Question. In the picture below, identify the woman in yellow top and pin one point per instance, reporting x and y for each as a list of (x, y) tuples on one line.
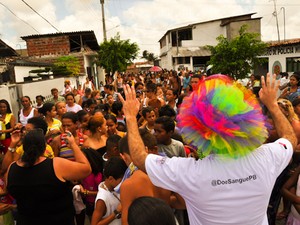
[(8, 122), (54, 125)]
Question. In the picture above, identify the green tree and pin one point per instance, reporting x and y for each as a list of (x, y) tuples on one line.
[(149, 56), (67, 66), (237, 57), (116, 54)]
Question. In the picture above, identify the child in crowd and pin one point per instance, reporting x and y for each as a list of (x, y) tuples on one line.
[(39, 101), (112, 125), (89, 185), (112, 147), (149, 119), (291, 191), (60, 109), (108, 206), (117, 110)]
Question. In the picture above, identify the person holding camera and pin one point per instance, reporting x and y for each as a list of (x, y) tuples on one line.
[(41, 185)]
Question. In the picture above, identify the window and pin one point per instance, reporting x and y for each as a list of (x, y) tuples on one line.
[(183, 35), (293, 64), (183, 60), (163, 42)]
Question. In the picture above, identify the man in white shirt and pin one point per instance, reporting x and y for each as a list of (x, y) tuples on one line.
[(218, 189)]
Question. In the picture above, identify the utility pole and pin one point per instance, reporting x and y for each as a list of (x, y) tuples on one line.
[(103, 20), (275, 14)]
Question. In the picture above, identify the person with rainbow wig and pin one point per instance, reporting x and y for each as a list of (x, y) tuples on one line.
[(232, 184)]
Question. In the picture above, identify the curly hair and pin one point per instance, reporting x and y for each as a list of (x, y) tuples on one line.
[(288, 108)]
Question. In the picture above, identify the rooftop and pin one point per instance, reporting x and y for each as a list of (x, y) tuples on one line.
[(88, 38), (6, 50), (284, 42), (23, 62)]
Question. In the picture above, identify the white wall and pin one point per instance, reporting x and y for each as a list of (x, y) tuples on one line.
[(30, 89), (168, 45), (205, 34), (23, 71), (4, 93), (281, 58), (163, 62), (42, 87)]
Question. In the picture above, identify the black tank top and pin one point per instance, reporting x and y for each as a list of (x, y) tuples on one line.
[(41, 197)]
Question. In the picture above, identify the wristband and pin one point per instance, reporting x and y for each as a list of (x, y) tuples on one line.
[(11, 149), (117, 214)]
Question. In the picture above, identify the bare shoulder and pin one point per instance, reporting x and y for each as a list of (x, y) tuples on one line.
[(138, 174), (137, 178), (58, 165)]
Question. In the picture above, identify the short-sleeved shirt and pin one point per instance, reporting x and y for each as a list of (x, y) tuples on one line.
[(220, 190), (176, 148), (74, 108), (54, 101), (56, 125)]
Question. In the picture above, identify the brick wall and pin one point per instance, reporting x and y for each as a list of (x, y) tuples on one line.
[(48, 46)]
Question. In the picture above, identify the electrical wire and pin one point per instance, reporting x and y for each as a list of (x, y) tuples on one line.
[(41, 16), (18, 17)]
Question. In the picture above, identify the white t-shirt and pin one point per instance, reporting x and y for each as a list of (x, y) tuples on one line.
[(219, 190), (111, 203), (74, 108)]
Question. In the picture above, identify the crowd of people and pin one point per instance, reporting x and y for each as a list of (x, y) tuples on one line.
[(158, 148)]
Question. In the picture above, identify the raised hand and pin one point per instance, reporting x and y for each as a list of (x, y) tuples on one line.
[(131, 105), (268, 91), (16, 136)]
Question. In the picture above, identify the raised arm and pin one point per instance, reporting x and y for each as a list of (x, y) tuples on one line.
[(289, 184), (267, 95), (11, 155), (131, 108)]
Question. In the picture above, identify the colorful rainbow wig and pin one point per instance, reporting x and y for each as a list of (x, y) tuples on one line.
[(222, 117)]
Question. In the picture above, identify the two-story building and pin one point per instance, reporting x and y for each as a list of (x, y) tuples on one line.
[(80, 44), (184, 47), (42, 51)]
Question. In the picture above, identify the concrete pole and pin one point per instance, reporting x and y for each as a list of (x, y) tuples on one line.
[(103, 20), (282, 8), (276, 16)]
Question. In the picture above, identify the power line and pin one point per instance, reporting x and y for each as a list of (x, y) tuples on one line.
[(41, 16), (227, 3), (18, 17)]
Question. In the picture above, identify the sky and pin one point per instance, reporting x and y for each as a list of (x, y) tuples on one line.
[(141, 21)]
